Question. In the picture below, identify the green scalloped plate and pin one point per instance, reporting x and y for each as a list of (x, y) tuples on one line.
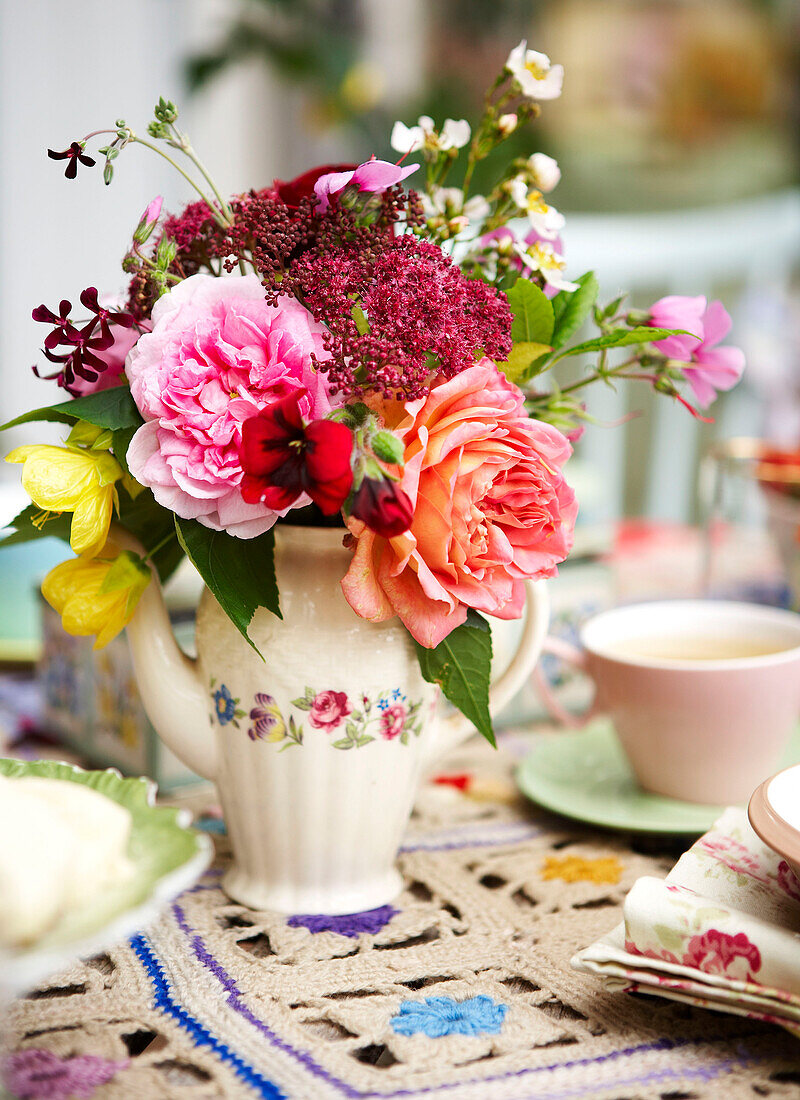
[(167, 855), (586, 776)]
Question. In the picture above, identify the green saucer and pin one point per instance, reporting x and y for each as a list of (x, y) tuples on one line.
[(585, 775)]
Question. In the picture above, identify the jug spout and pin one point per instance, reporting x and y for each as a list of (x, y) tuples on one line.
[(170, 686)]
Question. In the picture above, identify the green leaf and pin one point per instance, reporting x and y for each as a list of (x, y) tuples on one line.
[(461, 665), (533, 313), (343, 743), (622, 337), (24, 529), (523, 355), (301, 704), (571, 309), (114, 409), (121, 441), (360, 318), (240, 573), (365, 740)]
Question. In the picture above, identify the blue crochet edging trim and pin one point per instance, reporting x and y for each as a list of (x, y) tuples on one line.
[(201, 1035)]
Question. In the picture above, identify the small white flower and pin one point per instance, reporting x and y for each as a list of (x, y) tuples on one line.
[(544, 170), (446, 205), (405, 138), (476, 208), (454, 135), (533, 74), (518, 190), (541, 257), (507, 124), (545, 219)]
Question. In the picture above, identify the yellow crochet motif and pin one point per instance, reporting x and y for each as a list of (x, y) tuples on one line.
[(578, 869)]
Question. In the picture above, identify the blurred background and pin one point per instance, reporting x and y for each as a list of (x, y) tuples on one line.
[(677, 135)]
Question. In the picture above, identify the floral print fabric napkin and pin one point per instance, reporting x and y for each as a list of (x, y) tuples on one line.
[(722, 930)]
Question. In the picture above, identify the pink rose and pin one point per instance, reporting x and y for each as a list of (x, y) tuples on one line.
[(328, 710), (393, 721), (788, 881), (491, 508), (217, 354)]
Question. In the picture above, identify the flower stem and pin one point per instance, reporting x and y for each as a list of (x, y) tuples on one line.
[(186, 148), (218, 217), (602, 373), (150, 554)]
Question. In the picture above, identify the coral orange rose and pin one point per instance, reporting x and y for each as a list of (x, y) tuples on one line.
[(491, 509)]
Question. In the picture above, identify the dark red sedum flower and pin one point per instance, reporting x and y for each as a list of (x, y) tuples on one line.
[(292, 192), (383, 506), (282, 458), (74, 155)]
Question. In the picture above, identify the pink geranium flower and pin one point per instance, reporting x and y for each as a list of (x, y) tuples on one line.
[(714, 368), (217, 355), (709, 368), (678, 311), (328, 709), (491, 508), (372, 175)]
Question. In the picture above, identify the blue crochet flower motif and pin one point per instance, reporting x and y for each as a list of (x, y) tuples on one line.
[(225, 705), (439, 1016)]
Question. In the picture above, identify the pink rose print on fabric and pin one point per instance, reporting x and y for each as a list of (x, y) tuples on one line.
[(733, 855), (720, 953), (328, 709), (393, 721), (787, 880)]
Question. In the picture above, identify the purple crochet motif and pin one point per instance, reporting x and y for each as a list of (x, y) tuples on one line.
[(348, 924), (41, 1075)]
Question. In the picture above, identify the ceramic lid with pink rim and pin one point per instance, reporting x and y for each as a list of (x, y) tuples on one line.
[(774, 813)]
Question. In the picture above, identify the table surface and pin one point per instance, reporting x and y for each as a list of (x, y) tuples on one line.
[(220, 1001)]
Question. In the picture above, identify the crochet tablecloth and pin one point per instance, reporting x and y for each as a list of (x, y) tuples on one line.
[(460, 990)]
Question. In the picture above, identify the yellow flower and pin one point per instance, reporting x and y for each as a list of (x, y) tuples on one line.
[(98, 595), (62, 479)]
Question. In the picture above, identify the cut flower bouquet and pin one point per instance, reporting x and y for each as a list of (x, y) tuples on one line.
[(339, 350)]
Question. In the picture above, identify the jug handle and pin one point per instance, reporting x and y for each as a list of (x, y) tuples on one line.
[(452, 730)]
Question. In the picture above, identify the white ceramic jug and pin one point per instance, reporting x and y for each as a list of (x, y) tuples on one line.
[(316, 750)]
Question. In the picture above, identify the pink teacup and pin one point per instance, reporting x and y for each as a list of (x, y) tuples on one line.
[(704, 694)]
